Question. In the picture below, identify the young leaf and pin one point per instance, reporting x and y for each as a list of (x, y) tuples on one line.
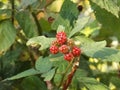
[(40, 40), (80, 23), (7, 34)]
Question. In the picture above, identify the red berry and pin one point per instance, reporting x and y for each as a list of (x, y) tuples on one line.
[(76, 51), (68, 56), (64, 49), (54, 49), (61, 37)]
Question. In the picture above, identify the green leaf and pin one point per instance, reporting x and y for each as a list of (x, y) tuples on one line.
[(49, 75), (115, 81), (60, 21), (68, 14), (33, 83), (7, 34), (26, 73), (108, 28), (45, 25), (43, 64), (108, 5), (80, 23), (92, 84), (83, 40), (5, 14), (90, 48), (7, 62), (61, 67), (69, 11), (107, 54), (27, 23), (25, 3), (99, 51), (40, 40)]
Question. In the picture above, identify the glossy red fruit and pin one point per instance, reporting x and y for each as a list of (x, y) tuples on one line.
[(76, 51), (64, 49), (68, 57), (54, 49), (61, 37)]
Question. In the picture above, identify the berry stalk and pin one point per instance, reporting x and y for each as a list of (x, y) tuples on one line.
[(70, 76)]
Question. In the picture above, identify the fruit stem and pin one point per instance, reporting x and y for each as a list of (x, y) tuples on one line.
[(64, 74), (70, 76)]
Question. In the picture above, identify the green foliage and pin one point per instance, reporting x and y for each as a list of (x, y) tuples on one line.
[(49, 75), (33, 83), (108, 5), (43, 64), (27, 23), (7, 34), (92, 84), (26, 34), (106, 19), (40, 40), (26, 73), (80, 23)]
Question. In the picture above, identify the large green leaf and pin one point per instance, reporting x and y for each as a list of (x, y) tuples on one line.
[(99, 51), (33, 83), (40, 40), (27, 23), (80, 23), (90, 48), (26, 73), (43, 64), (106, 19), (7, 34), (108, 5), (92, 84)]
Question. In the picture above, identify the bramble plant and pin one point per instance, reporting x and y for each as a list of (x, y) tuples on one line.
[(59, 45)]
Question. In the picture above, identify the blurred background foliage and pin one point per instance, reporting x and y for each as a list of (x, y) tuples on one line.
[(27, 28)]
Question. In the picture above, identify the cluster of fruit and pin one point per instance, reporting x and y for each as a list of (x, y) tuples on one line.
[(65, 46)]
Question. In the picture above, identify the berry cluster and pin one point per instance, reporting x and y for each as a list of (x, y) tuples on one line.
[(65, 46)]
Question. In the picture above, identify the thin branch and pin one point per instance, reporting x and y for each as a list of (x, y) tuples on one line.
[(64, 74), (70, 76), (13, 8)]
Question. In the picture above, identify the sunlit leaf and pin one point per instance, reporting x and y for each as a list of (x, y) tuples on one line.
[(40, 40)]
